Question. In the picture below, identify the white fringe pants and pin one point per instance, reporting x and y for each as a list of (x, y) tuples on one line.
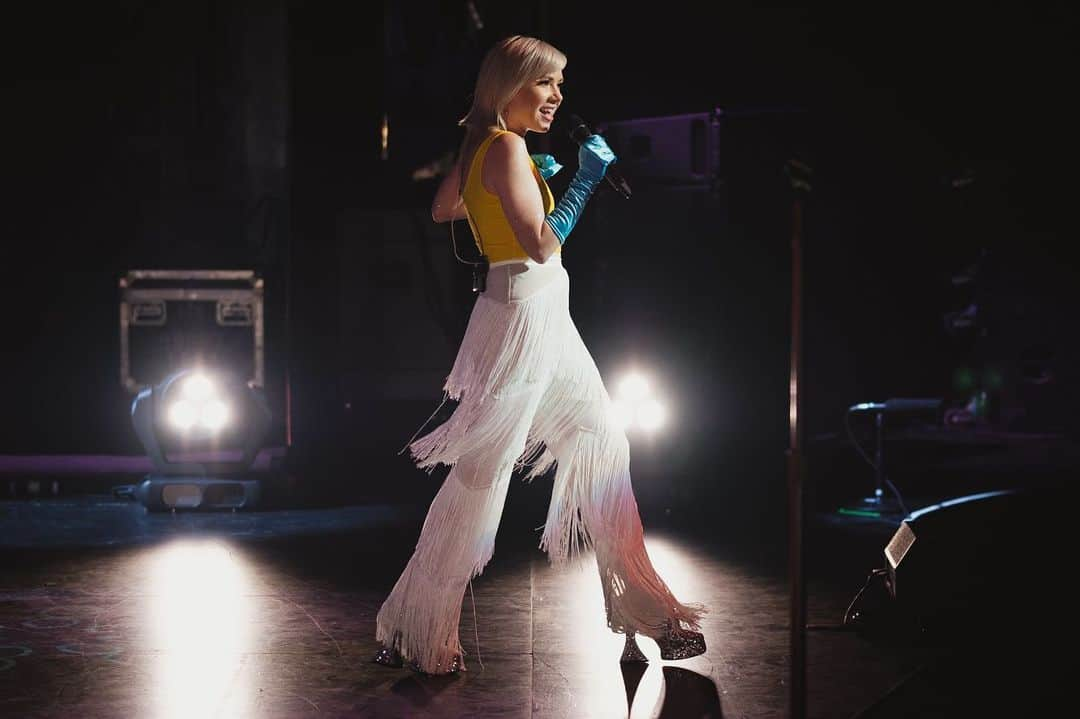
[(530, 397)]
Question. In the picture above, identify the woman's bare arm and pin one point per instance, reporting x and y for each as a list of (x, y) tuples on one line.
[(447, 204), (508, 173)]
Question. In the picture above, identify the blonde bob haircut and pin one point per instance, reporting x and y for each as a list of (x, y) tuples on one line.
[(507, 67)]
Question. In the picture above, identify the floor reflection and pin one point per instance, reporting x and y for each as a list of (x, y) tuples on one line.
[(652, 689), (689, 694), (200, 618)]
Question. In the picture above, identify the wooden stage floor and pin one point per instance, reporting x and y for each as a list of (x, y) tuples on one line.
[(107, 610)]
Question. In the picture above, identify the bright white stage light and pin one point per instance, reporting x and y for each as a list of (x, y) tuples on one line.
[(651, 415), (198, 405), (196, 425), (633, 388), (198, 388), (183, 414), (214, 415), (635, 407)]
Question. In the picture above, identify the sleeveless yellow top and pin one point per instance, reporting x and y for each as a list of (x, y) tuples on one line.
[(492, 232)]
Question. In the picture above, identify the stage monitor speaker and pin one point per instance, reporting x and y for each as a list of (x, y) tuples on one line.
[(674, 150), (983, 562)]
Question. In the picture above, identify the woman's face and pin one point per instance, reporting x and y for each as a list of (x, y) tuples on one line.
[(534, 105)]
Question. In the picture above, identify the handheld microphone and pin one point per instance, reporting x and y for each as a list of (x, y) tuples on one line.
[(579, 132)]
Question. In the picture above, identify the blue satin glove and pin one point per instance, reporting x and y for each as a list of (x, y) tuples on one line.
[(594, 156), (546, 165)]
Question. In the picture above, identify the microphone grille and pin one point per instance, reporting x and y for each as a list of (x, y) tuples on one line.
[(579, 131)]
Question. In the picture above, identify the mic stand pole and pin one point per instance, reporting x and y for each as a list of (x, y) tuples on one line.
[(799, 176), (879, 449)]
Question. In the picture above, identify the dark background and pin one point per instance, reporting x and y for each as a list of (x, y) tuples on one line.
[(246, 135)]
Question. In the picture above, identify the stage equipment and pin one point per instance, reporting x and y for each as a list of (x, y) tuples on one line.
[(799, 175), (897, 406), (172, 319), (977, 564), (202, 431), (1007, 321), (673, 151), (634, 406)]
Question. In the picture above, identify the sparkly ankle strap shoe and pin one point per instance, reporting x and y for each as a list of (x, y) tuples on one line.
[(678, 643), (457, 664), (388, 657)]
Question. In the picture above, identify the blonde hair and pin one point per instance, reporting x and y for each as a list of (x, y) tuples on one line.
[(507, 67)]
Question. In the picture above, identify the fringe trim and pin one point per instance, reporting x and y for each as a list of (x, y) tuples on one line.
[(508, 357), (636, 598), (593, 508), (509, 352), (457, 541), (458, 536), (420, 619)]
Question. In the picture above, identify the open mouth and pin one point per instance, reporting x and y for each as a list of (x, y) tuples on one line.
[(547, 112)]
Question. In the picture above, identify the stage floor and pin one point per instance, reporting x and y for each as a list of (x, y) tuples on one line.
[(107, 610)]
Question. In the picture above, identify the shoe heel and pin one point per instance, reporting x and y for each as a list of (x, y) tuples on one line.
[(631, 652)]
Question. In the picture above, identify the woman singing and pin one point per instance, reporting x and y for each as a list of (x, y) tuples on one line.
[(529, 391)]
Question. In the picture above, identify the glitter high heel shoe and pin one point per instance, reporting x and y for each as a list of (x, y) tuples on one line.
[(679, 643), (631, 652), (457, 664), (388, 657)]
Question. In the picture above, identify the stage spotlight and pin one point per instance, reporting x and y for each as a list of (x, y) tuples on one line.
[(635, 408), (202, 432), (214, 415), (183, 415), (651, 415), (634, 387), (197, 407)]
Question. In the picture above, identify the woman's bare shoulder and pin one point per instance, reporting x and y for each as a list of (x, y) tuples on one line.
[(507, 145), (508, 154), (508, 151)]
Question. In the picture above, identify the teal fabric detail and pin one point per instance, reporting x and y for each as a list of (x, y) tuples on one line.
[(546, 165)]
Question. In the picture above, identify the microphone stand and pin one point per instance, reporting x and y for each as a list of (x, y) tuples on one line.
[(799, 176)]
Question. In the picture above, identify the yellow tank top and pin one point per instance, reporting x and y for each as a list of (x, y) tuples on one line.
[(491, 230)]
